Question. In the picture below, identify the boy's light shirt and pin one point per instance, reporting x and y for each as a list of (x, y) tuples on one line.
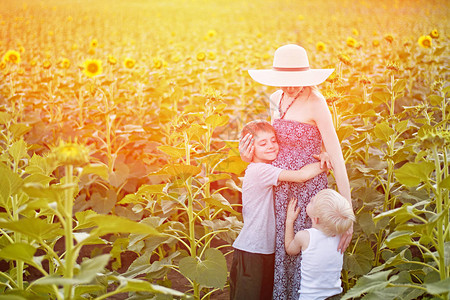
[(321, 267), (258, 233)]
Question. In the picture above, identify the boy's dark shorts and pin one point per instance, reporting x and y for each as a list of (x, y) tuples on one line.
[(251, 276)]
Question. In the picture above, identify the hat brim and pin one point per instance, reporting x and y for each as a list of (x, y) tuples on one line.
[(290, 78)]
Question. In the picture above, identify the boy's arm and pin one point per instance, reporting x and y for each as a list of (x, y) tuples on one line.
[(302, 175), (294, 243)]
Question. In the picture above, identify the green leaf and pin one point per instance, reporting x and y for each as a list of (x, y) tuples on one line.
[(439, 51), (53, 193), (83, 219), (398, 239), (232, 164), (401, 127), (399, 85), (99, 169), (135, 285), (38, 178), (103, 205), (381, 97), (177, 94), (368, 283), (18, 150), (114, 224), (40, 165), (445, 184), (218, 201), (15, 181), (360, 261), (412, 174), (18, 251), (172, 151), (383, 131), (440, 287), (4, 117), (90, 267), (217, 120), (86, 289), (435, 100), (182, 171), (5, 189), (366, 222), (19, 129), (33, 227), (12, 297), (211, 272)]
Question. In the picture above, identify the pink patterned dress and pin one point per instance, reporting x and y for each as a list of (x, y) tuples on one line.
[(298, 142)]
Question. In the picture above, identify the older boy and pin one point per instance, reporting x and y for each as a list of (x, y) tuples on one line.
[(251, 274)]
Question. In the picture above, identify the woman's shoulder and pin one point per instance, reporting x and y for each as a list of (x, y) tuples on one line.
[(276, 94), (315, 94)]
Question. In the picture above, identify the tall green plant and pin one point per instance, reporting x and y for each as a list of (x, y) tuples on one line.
[(38, 212)]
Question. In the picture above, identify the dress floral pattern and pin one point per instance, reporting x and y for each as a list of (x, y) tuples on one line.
[(298, 142)]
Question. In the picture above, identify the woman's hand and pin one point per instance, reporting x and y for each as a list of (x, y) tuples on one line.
[(346, 238), (325, 160), (246, 148)]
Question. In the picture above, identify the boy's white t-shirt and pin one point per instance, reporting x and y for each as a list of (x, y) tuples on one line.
[(258, 233), (321, 267)]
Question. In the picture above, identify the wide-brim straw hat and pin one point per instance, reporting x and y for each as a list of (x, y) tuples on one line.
[(290, 68)]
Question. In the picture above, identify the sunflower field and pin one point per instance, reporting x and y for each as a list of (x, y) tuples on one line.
[(119, 125)]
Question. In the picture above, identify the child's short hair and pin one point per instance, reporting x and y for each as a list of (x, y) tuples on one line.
[(334, 212), (256, 126)]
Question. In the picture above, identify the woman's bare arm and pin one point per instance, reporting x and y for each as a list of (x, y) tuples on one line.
[(322, 117)]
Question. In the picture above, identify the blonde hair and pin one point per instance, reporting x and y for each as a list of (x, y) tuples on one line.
[(334, 212), (254, 127)]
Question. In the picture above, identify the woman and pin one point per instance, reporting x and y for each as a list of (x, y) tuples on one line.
[(303, 124)]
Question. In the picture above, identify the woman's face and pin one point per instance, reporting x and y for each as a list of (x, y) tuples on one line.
[(292, 91)]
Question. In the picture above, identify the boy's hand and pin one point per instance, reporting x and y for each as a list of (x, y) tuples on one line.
[(246, 148), (292, 211), (325, 161)]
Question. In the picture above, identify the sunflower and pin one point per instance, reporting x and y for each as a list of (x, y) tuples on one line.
[(434, 34), (375, 43), (355, 32), (344, 59), (93, 43), (393, 66), (92, 67), (112, 60), (389, 38), (351, 42), (175, 58), (320, 46), (33, 62), (211, 55), (129, 63), (46, 64), (65, 63), (12, 56), (425, 41), (300, 17), (157, 63), (201, 56), (2, 65), (70, 154), (212, 33)]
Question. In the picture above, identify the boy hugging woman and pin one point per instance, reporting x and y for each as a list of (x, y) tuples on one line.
[(253, 266)]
